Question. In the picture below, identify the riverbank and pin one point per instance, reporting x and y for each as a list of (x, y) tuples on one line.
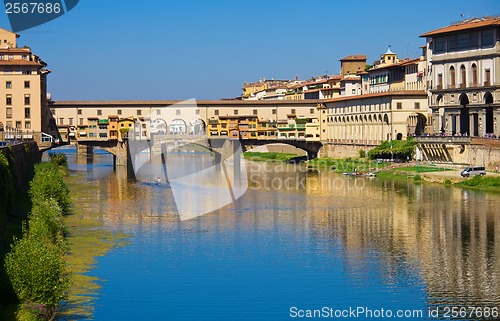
[(448, 175), (445, 174)]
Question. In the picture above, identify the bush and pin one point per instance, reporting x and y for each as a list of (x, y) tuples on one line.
[(58, 159), (36, 270), (46, 220), (48, 183), (399, 149), (447, 181), (417, 178), (362, 153)]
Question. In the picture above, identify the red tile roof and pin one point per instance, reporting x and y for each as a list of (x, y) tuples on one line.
[(354, 58), (465, 25), (382, 94)]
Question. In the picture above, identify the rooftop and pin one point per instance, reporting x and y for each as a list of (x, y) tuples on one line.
[(465, 25), (354, 58)]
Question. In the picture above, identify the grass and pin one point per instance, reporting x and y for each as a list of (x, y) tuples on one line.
[(481, 182), (421, 169), (269, 156), (347, 164)]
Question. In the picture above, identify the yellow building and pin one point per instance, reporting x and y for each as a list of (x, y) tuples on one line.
[(124, 125), (23, 89)]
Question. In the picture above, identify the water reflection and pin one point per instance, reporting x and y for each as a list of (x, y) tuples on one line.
[(372, 240)]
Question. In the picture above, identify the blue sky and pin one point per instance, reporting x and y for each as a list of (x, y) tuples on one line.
[(160, 49)]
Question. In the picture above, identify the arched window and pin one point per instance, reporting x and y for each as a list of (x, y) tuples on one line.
[(474, 75), (462, 76), (452, 77)]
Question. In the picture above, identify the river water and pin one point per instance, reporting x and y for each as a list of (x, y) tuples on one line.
[(295, 242)]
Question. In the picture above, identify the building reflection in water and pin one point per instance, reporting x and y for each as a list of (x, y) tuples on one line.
[(446, 238)]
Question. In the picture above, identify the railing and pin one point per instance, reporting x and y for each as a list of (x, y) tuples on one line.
[(443, 139)]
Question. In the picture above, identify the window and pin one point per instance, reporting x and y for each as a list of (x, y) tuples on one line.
[(311, 111), (79, 112), (487, 77), (417, 105), (8, 100), (27, 99), (99, 112), (25, 57), (177, 112), (139, 112), (440, 45), (274, 112), (71, 121), (216, 112), (487, 38), (474, 75), (197, 112), (27, 84), (2, 57), (8, 84), (81, 121), (353, 91), (255, 111), (119, 112), (27, 112), (292, 111), (18, 125), (463, 41), (8, 112), (462, 76), (158, 112), (440, 81), (11, 57), (27, 124), (235, 112), (399, 105), (452, 77), (9, 125)]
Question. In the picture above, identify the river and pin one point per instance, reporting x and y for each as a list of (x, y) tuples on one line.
[(295, 242)]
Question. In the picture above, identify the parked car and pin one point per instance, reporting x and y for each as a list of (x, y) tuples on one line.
[(473, 170)]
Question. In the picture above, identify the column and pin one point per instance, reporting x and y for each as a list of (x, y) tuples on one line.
[(482, 122), (471, 124)]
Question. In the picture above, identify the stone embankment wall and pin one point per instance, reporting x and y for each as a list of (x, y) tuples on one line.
[(22, 159), (342, 151)]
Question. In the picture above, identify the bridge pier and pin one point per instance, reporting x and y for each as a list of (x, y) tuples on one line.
[(85, 150)]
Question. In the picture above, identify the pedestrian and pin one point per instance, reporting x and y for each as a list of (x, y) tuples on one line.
[(496, 169)]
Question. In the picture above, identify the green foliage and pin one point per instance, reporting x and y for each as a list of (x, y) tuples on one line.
[(417, 178), (7, 185), (480, 181), (59, 159), (46, 220), (447, 181), (36, 270), (48, 183), (269, 156), (35, 265), (362, 153), (401, 149)]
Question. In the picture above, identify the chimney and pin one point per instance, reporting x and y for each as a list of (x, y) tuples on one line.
[(296, 77)]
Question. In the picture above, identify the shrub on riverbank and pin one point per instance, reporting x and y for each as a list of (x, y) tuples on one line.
[(398, 149), (481, 181), (35, 265), (49, 183)]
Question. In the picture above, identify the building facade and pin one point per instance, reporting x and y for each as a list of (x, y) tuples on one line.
[(464, 77), (374, 118), (23, 98)]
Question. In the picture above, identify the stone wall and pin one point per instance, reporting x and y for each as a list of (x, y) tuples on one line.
[(342, 151), (22, 159)]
